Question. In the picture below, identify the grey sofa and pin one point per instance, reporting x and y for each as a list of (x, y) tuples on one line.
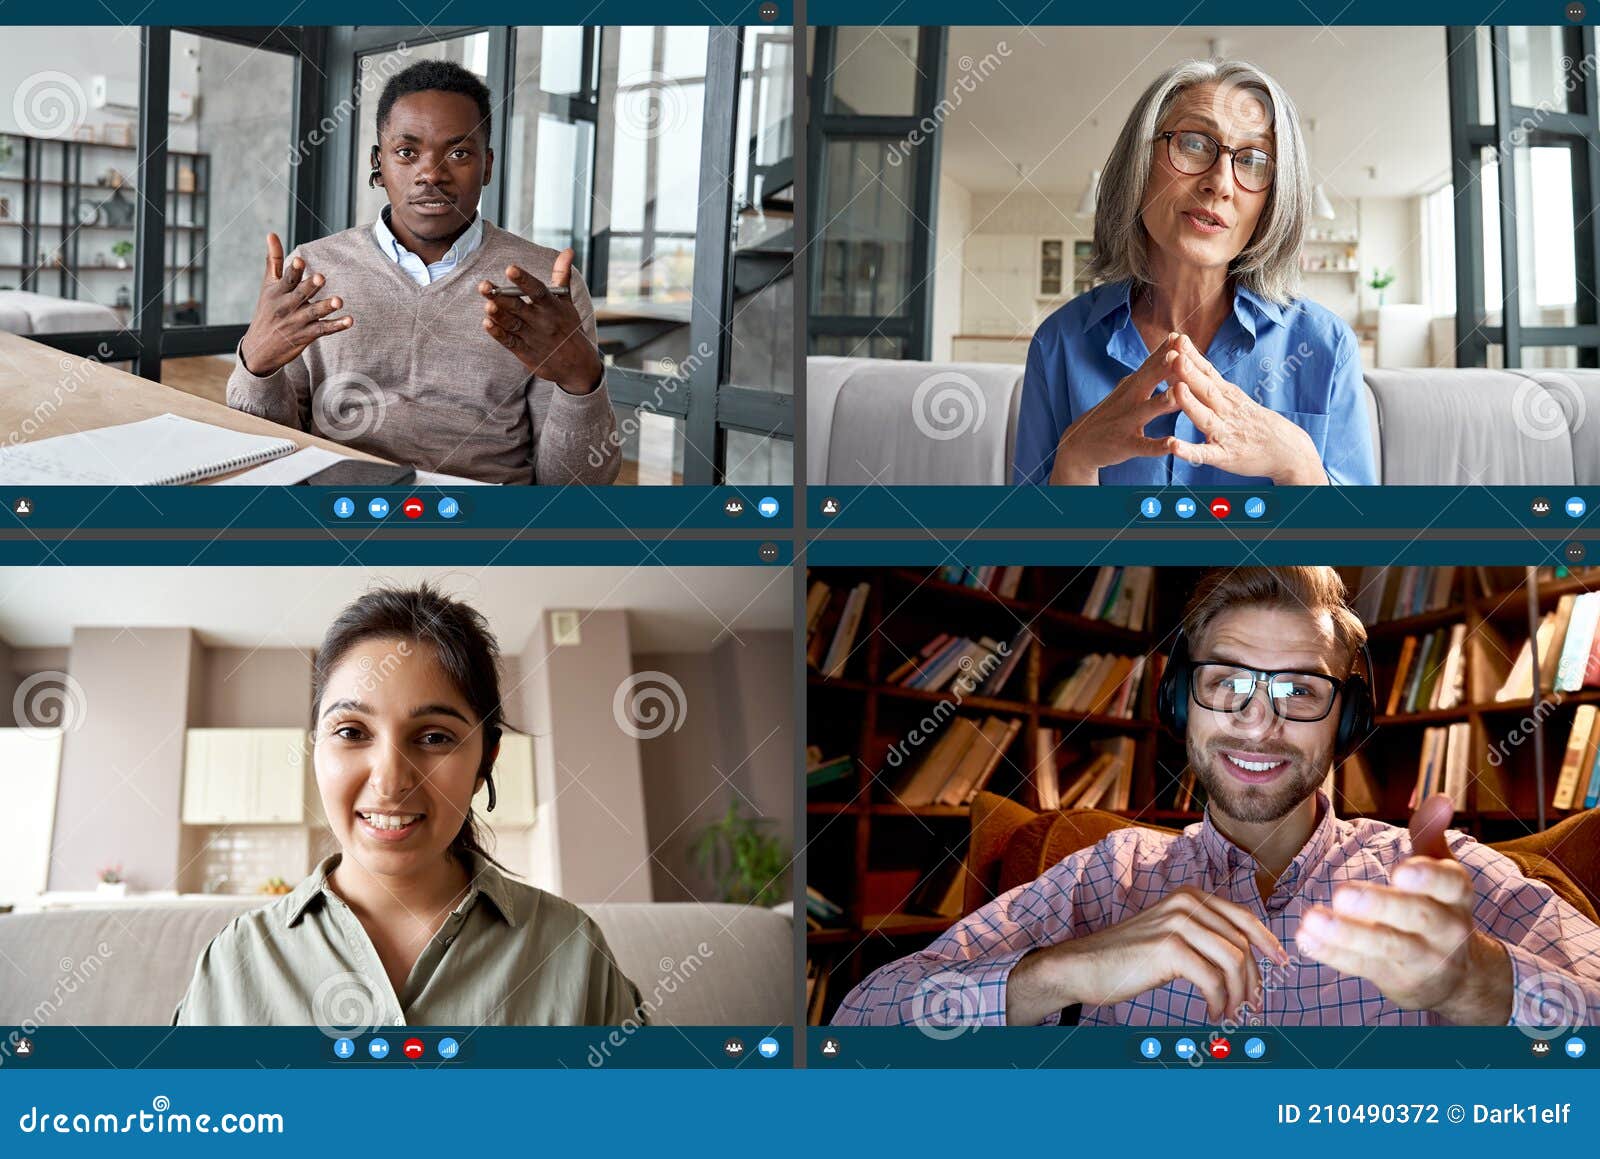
[(129, 965), (884, 421)]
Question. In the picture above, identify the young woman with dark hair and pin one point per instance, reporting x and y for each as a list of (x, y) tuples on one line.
[(412, 921)]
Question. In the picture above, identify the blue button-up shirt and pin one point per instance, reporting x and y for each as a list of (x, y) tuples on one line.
[(419, 272), (1300, 360)]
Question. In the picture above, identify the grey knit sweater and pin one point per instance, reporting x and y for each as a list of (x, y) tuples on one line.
[(418, 381)]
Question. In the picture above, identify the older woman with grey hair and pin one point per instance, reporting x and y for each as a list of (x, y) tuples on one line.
[(1192, 362)]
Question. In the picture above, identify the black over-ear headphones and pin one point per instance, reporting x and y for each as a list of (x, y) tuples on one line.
[(1355, 708)]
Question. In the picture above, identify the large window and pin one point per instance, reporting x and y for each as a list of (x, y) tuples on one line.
[(874, 173), (1527, 180)]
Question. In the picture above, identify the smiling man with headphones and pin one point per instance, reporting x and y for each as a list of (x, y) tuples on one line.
[(1272, 911)]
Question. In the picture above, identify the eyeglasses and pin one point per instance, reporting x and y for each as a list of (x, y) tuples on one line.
[(1298, 696), (1193, 152)]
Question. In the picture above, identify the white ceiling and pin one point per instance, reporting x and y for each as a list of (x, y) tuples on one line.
[(1056, 104), (670, 609)]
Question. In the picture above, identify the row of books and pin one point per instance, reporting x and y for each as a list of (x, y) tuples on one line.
[(1443, 765), (1568, 645), (1431, 672), (1002, 581), (822, 770), (1107, 684), (962, 664), (959, 762), (1121, 596), (821, 912), (1393, 593), (1064, 778), (1578, 783), (832, 620)]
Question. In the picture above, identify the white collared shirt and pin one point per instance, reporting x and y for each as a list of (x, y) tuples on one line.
[(416, 269)]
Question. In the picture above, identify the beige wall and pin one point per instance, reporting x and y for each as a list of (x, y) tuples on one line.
[(590, 770), (254, 688), (122, 767), (736, 746)]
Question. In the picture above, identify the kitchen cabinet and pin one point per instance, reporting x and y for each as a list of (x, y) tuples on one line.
[(513, 784), (234, 776)]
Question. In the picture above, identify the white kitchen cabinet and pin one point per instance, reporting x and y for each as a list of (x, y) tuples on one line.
[(30, 765), (240, 776), (513, 784)]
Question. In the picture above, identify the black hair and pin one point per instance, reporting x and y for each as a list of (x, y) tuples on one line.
[(437, 76), (462, 644)]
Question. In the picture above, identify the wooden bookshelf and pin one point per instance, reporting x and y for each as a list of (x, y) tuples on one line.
[(868, 851), (47, 181)]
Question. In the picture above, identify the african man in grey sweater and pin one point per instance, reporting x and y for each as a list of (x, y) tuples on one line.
[(389, 338)]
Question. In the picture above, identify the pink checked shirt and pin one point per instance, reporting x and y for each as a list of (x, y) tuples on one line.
[(961, 978)]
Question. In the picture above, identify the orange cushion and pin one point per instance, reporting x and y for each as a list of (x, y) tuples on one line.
[(1012, 844)]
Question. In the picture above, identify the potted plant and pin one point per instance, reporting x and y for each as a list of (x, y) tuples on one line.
[(749, 865), (1380, 280), (122, 251), (111, 882)]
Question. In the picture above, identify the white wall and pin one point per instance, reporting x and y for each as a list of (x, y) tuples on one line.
[(950, 235), (81, 53)]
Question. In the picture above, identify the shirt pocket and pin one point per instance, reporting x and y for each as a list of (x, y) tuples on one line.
[(1314, 423)]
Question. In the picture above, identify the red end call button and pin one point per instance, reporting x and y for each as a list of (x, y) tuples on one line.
[(413, 1048), (412, 508), (1219, 1048), (1219, 507)]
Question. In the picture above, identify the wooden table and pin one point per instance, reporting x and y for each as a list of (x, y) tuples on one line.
[(45, 392)]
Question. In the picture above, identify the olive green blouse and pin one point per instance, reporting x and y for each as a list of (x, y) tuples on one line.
[(508, 955)]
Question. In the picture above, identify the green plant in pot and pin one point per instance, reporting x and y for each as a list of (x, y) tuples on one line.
[(749, 865), (1380, 281), (123, 252)]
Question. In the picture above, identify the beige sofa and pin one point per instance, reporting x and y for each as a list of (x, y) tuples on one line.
[(874, 420), (127, 965)]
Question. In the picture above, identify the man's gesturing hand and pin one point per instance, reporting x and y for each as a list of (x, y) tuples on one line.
[(1187, 935), (543, 330), (1112, 431), (1415, 939), (289, 316)]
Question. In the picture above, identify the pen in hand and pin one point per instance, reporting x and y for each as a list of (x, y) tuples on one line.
[(514, 292)]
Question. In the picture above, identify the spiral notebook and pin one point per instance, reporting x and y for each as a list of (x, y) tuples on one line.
[(167, 449)]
